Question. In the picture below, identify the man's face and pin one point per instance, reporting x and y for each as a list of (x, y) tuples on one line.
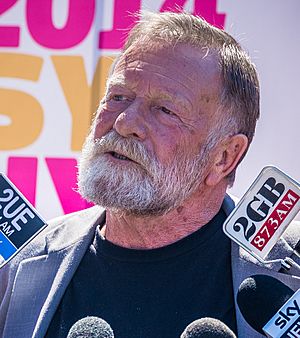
[(148, 148)]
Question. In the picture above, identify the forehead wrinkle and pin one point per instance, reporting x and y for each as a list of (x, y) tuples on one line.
[(187, 82), (142, 66), (204, 59)]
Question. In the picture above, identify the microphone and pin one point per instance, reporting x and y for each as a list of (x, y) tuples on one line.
[(208, 328), (91, 327), (269, 306)]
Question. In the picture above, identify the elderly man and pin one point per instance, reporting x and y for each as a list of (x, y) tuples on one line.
[(177, 118)]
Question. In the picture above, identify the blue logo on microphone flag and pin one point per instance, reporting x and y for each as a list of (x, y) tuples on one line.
[(7, 249), (19, 221)]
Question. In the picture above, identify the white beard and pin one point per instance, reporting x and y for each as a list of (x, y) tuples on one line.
[(142, 188)]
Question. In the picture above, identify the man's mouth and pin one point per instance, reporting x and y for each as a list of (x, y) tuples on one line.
[(119, 156)]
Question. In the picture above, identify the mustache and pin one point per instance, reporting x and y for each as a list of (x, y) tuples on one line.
[(133, 149)]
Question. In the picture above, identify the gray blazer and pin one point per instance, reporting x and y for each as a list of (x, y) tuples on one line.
[(32, 284)]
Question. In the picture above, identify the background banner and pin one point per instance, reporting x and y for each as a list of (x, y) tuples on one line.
[(54, 60)]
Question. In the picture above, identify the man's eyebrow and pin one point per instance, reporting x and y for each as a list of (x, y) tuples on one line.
[(170, 95), (116, 80)]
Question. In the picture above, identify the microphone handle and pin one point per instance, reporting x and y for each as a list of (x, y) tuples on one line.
[(290, 267)]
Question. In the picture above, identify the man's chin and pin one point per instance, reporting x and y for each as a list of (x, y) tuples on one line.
[(126, 205)]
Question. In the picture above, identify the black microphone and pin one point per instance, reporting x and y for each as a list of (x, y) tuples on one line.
[(91, 327), (208, 328), (265, 300)]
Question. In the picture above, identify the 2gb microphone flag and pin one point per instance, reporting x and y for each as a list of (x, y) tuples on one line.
[(19, 221), (264, 212)]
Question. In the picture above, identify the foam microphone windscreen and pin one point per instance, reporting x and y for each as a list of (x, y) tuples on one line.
[(91, 327), (259, 297), (207, 327)]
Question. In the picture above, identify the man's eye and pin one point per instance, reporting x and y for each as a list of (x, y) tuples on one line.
[(166, 110), (118, 97)]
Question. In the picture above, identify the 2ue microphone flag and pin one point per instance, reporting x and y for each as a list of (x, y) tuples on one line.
[(19, 221)]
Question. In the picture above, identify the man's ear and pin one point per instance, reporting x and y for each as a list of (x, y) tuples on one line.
[(226, 158)]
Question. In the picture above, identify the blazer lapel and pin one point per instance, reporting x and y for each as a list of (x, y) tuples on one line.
[(32, 285), (41, 281)]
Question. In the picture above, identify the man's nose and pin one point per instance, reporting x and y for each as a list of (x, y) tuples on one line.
[(131, 122)]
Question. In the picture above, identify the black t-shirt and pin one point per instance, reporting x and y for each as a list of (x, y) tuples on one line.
[(152, 293)]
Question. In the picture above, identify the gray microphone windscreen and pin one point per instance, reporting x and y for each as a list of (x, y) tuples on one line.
[(91, 327), (208, 328)]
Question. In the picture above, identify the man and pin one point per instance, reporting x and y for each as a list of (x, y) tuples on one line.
[(178, 117)]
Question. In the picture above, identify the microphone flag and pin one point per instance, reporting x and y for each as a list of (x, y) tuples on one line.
[(19, 220), (264, 212)]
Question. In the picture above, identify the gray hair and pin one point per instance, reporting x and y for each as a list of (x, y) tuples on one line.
[(239, 97)]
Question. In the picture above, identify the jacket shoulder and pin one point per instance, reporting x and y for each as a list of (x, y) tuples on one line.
[(56, 228)]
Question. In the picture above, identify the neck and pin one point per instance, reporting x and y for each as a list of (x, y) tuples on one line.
[(137, 232)]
